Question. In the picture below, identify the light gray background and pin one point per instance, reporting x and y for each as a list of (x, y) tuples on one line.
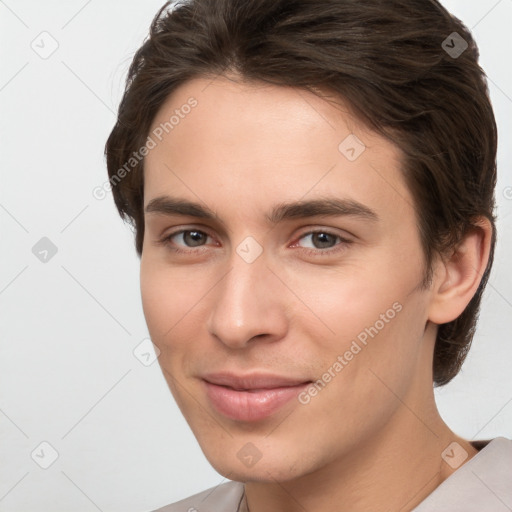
[(68, 375)]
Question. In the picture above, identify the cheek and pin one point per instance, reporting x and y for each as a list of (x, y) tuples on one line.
[(168, 298), (370, 315), (171, 308), (382, 355), (157, 300), (341, 303)]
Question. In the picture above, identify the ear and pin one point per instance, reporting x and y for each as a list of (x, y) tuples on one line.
[(458, 275)]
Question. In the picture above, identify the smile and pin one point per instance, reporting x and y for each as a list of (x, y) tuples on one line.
[(251, 398)]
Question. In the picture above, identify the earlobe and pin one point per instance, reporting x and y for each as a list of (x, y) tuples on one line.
[(459, 274)]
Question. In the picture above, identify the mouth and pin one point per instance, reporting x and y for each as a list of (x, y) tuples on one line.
[(252, 397)]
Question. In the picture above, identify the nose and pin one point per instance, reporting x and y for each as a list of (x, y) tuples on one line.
[(249, 304)]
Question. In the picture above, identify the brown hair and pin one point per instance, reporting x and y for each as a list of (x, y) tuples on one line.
[(396, 63)]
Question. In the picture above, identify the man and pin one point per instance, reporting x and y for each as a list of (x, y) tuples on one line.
[(312, 189)]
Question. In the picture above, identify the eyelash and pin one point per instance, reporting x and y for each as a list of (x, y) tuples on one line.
[(166, 241)]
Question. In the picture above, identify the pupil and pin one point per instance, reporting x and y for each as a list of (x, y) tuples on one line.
[(193, 237), (323, 239)]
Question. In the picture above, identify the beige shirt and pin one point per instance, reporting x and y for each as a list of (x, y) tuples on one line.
[(483, 484)]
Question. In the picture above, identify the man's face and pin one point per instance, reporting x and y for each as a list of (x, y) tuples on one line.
[(298, 298)]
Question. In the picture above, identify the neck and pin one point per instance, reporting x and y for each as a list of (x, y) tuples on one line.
[(394, 470)]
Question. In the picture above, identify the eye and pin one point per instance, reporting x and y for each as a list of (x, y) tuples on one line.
[(314, 243), (322, 242), (320, 239), (188, 238)]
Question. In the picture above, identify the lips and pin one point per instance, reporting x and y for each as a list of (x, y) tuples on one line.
[(251, 397), (253, 381)]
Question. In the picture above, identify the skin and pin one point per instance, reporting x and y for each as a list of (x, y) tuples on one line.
[(372, 439)]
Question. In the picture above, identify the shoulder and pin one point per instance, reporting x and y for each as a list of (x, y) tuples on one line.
[(221, 498), (482, 483)]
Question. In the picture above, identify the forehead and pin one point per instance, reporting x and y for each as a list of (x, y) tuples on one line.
[(218, 140)]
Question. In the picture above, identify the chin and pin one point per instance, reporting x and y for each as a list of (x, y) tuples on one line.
[(261, 472), (242, 462)]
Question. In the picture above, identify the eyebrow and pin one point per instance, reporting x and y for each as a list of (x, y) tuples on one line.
[(329, 207)]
